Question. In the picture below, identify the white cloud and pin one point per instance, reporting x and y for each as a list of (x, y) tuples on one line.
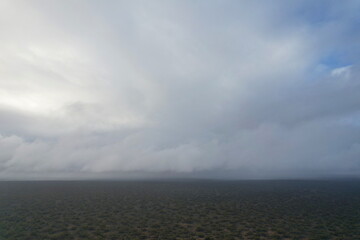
[(343, 72)]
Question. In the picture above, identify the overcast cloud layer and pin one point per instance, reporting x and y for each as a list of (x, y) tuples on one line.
[(242, 89)]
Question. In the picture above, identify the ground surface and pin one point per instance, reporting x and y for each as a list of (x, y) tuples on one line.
[(180, 210)]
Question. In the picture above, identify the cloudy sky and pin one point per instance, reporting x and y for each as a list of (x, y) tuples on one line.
[(240, 89)]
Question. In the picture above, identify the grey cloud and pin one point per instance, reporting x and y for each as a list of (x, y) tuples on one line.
[(181, 88)]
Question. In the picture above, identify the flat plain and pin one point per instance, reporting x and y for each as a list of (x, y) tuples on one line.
[(176, 209)]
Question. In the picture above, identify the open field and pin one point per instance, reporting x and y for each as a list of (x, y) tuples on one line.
[(180, 210)]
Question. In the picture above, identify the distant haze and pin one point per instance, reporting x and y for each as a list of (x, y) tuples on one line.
[(187, 88)]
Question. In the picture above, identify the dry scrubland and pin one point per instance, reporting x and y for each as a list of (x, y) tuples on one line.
[(180, 210)]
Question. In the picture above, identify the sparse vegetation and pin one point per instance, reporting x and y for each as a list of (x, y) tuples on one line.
[(180, 210)]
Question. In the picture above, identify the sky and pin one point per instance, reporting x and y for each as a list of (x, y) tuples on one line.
[(189, 88)]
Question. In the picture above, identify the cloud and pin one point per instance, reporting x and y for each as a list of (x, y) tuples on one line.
[(185, 88)]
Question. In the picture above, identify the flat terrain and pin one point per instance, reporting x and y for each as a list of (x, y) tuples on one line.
[(180, 210)]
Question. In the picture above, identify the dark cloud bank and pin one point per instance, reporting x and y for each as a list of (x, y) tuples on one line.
[(224, 89)]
